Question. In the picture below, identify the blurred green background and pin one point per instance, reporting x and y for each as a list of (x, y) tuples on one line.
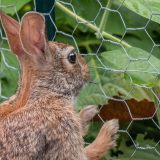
[(120, 40)]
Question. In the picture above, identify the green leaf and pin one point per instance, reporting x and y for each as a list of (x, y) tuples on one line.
[(142, 67), (108, 83), (131, 152), (91, 95), (144, 8), (11, 7), (8, 72), (92, 14)]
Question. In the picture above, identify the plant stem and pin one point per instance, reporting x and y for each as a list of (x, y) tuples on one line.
[(104, 17), (88, 42), (91, 26)]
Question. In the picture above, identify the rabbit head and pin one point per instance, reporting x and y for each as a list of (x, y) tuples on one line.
[(66, 70), (54, 66)]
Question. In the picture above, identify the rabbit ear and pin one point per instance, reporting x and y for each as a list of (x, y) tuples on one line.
[(32, 33), (12, 28)]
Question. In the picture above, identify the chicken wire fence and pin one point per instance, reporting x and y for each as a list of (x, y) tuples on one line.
[(124, 69)]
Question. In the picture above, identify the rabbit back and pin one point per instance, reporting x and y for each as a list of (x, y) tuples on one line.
[(32, 133)]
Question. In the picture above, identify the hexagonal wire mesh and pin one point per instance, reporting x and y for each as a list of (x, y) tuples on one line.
[(122, 53)]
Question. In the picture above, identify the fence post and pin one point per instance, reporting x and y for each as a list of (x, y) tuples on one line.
[(44, 6)]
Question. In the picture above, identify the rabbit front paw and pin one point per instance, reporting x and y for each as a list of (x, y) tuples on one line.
[(105, 140), (87, 115)]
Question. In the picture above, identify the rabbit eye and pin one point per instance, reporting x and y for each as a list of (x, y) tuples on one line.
[(72, 57)]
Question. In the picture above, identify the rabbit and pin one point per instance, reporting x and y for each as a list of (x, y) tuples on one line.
[(47, 107), (12, 28)]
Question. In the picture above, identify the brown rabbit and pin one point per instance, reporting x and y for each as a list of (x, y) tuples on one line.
[(35, 60), (12, 28)]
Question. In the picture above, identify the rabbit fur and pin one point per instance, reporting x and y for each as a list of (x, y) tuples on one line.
[(46, 127)]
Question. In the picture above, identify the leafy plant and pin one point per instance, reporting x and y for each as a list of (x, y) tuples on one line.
[(126, 65)]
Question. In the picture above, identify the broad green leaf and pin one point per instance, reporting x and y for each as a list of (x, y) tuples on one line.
[(144, 8), (142, 67), (10, 6)]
